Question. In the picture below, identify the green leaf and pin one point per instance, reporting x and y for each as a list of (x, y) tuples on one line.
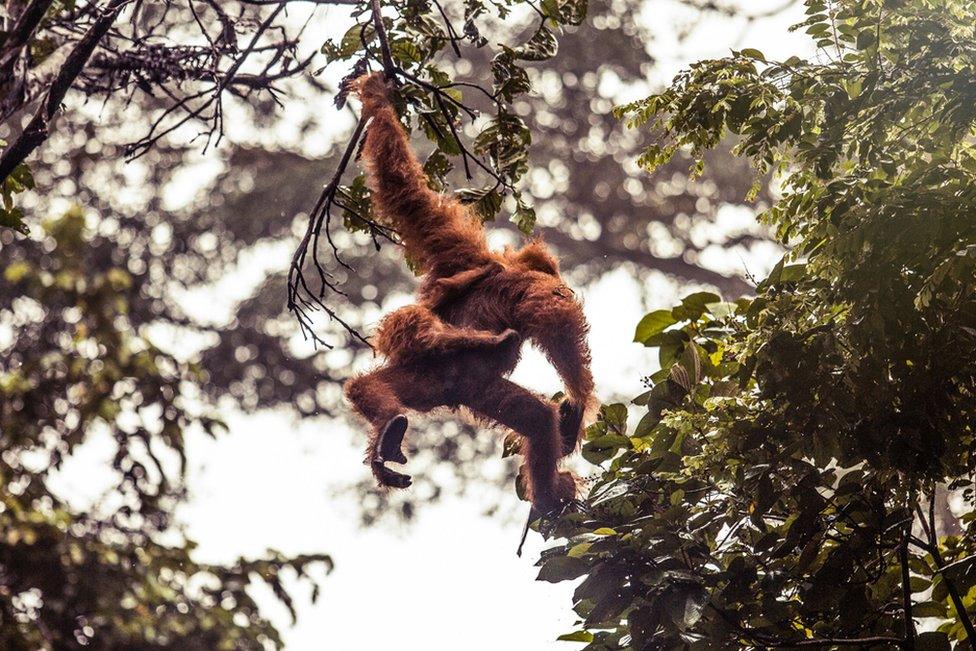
[(684, 606), (652, 324), (540, 47), (561, 568), (13, 218), (694, 305), (577, 636), (753, 54)]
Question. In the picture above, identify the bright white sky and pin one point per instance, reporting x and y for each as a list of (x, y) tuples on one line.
[(451, 580)]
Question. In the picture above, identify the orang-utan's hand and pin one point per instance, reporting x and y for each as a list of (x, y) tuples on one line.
[(373, 91), (570, 422)]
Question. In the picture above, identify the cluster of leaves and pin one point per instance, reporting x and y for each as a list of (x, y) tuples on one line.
[(118, 573), (780, 488), (12, 216)]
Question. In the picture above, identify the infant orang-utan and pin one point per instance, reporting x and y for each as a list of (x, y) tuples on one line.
[(456, 345)]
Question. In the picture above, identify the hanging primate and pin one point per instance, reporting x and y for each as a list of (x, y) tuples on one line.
[(474, 308)]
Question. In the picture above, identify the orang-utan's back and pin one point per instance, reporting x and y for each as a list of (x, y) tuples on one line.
[(454, 347)]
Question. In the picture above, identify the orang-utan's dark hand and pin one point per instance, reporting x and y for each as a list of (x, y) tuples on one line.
[(570, 423), (373, 91)]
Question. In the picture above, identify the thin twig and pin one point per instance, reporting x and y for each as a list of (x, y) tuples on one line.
[(141, 147), (388, 65)]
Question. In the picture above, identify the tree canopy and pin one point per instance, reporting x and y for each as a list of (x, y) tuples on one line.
[(784, 485)]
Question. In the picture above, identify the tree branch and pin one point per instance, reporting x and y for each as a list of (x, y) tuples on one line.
[(36, 131), (933, 550), (301, 297), (388, 65), (906, 590), (350, 3), (843, 641), (731, 286), (21, 32)]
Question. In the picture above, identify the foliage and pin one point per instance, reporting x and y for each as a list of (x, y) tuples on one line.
[(117, 574), (20, 180), (133, 238), (780, 487)]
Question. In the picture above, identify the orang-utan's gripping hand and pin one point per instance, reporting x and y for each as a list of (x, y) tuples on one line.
[(373, 92), (570, 424)]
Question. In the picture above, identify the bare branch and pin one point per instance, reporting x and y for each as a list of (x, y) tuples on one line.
[(36, 131), (384, 40), (933, 549), (21, 32), (906, 589), (351, 3), (731, 286)]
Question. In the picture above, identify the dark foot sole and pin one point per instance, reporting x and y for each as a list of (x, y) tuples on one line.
[(391, 440)]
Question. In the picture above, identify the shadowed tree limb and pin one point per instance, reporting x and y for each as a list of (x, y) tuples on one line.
[(18, 35), (36, 131), (731, 286), (906, 589), (933, 549)]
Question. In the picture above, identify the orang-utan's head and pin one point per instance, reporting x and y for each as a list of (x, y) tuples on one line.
[(545, 301), (534, 256)]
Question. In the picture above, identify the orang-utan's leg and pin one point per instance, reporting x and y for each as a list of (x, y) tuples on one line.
[(537, 421), (375, 399), (415, 333), (381, 396)]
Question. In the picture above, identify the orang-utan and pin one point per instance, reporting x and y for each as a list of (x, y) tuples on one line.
[(474, 308)]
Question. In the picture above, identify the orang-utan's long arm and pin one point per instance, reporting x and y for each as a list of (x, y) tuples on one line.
[(555, 322), (437, 231), (568, 352), (414, 331)]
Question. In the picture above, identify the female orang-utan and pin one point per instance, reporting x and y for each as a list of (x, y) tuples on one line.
[(475, 307)]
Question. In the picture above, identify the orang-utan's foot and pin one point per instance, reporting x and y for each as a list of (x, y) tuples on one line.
[(552, 501), (391, 440), (391, 478), (389, 449)]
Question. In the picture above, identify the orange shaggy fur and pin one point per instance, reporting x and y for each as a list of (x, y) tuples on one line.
[(474, 308)]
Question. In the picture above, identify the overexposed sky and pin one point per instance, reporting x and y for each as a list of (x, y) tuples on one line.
[(452, 579)]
